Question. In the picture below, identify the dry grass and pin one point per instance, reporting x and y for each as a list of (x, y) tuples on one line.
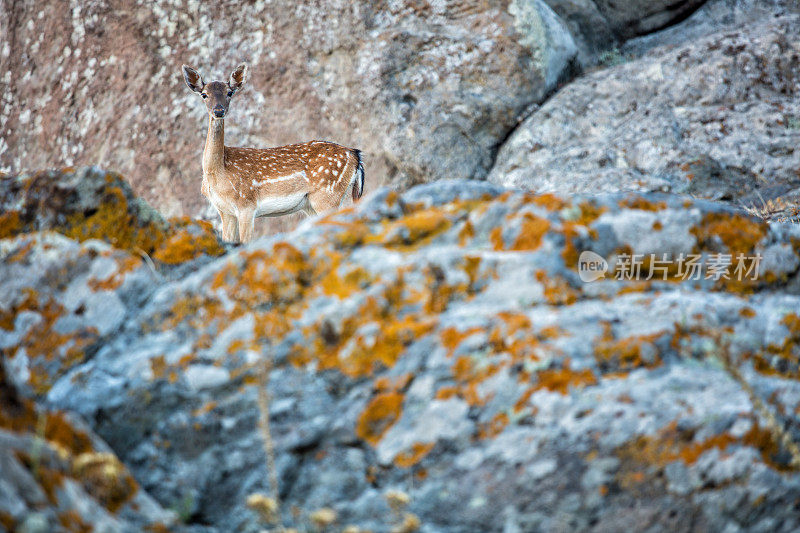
[(776, 210)]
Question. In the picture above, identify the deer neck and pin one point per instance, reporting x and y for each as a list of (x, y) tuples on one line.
[(214, 153)]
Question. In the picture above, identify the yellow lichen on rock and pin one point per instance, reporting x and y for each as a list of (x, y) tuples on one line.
[(381, 413)]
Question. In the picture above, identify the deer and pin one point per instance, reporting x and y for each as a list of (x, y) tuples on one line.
[(245, 183)]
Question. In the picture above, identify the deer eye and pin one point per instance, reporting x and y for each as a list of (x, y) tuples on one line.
[(204, 95), (230, 93)]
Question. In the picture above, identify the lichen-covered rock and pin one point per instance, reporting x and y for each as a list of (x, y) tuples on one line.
[(437, 361), (89, 203), (713, 116), (57, 475)]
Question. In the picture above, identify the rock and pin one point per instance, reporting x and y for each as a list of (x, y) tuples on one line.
[(441, 343), (57, 475), (90, 203), (598, 26), (710, 18), (636, 17), (713, 117), (591, 30)]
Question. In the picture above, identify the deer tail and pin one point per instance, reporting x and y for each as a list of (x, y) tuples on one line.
[(358, 183)]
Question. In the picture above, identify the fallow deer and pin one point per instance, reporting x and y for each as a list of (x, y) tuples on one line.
[(245, 183)]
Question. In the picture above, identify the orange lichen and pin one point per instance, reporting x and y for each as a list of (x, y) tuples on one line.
[(494, 427), (451, 337), (7, 521), (205, 408), (21, 253), (381, 413), (622, 355), (641, 203), (549, 201), (673, 444), (747, 312), (411, 457), (413, 230), (738, 233), (124, 265), (496, 238), (187, 240), (353, 281), (114, 223), (561, 379), (550, 332), (466, 234), (71, 521), (10, 224), (447, 392), (589, 212), (43, 344), (782, 359), (471, 266), (350, 234), (531, 232), (557, 290)]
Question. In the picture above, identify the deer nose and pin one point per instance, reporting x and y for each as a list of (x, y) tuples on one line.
[(219, 111)]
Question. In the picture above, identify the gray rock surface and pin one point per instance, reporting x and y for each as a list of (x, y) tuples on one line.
[(715, 116), (440, 343), (598, 25)]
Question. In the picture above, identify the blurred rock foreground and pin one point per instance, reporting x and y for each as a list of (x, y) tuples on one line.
[(437, 362), (438, 365)]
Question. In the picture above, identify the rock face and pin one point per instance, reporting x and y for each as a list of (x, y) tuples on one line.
[(716, 117), (437, 363)]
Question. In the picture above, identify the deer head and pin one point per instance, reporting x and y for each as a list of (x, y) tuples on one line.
[(217, 94)]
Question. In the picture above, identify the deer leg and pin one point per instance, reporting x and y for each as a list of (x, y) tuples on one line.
[(247, 219), (323, 201), (230, 230)]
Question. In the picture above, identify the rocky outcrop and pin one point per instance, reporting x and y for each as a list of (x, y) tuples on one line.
[(437, 363), (90, 203), (715, 117)]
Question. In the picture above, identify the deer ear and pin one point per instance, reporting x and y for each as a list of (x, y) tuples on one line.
[(238, 77), (193, 79)]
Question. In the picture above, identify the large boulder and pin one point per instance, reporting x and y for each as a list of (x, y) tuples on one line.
[(715, 117), (437, 361)]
